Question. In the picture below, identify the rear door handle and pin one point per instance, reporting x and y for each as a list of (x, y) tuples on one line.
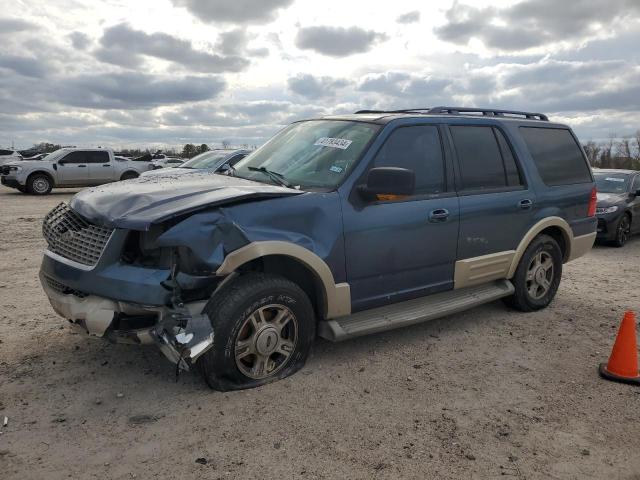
[(106, 165), (438, 215), (525, 204), (82, 166)]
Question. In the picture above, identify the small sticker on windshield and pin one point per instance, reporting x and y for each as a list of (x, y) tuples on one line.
[(340, 143), (335, 169), (613, 179)]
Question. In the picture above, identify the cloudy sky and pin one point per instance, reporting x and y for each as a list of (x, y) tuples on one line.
[(167, 72)]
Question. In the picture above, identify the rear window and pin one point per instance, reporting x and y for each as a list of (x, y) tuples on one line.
[(557, 155)]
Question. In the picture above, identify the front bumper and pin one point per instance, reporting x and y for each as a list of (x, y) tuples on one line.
[(11, 182), (607, 224), (182, 333)]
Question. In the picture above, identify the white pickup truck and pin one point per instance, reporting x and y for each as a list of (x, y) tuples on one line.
[(69, 167)]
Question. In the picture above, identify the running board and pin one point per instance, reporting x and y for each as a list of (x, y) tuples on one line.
[(412, 311)]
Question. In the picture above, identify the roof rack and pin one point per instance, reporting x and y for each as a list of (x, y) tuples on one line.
[(492, 112)]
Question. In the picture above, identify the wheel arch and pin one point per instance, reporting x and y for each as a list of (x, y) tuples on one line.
[(555, 227), (127, 172), (42, 172), (299, 265)]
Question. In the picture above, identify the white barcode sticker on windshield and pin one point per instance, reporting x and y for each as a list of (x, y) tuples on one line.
[(614, 179), (340, 143)]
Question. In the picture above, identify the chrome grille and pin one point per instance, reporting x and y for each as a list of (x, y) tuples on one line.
[(71, 236)]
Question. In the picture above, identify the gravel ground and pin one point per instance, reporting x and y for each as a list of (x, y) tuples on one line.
[(484, 394)]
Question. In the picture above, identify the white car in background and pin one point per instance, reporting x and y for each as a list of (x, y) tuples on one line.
[(213, 161), (7, 156)]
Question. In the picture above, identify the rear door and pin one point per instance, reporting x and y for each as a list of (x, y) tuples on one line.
[(402, 248), (496, 205), (73, 168), (101, 168)]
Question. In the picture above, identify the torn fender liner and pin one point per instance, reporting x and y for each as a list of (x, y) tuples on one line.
[(139, 203)]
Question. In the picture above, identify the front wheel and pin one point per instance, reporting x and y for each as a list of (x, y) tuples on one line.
[(264, 326), (129, 175), (538, 275), (623, 231), (39, 184)]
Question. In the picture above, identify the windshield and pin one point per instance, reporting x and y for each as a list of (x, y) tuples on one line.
[(205, 160), (612, 182), (315, 153), (57, 155)]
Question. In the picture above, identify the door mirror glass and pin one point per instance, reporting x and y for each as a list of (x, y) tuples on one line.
[(389, 183)]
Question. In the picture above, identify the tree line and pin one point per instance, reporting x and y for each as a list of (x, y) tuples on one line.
[(615, 152)]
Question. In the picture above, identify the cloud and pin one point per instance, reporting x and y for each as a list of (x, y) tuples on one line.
[(79, 40), (234, 42), (338, 41), (124, 46), (532, 23), (134, 90), (234, 11), (11, 25), (315, 87), (26, 66), (409, 17)]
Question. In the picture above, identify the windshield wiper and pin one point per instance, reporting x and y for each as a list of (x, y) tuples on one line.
[(275, 176)]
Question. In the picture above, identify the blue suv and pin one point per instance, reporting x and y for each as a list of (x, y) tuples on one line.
[(337, 227)]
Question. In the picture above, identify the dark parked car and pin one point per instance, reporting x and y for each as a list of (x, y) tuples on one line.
[(618, 208), (339, 226)]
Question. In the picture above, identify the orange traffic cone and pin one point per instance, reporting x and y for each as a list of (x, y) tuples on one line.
[(623, 362)]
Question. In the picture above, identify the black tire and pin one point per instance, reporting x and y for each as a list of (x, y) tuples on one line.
[(230, 311), (39, 184), (523, 299), (22, 189), (129, 175), (623, 231)]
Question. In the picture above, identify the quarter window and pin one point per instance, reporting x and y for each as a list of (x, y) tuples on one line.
[(416, 148), (557, 155), (485, 158)]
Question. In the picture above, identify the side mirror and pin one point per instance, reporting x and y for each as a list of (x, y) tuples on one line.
[(61, 162), (388, 182)]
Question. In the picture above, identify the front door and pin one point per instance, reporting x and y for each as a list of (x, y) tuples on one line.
[(397, 249), (73, 169)]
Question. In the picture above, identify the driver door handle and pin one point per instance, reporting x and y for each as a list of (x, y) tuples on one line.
[(438, 215), (525, 204)]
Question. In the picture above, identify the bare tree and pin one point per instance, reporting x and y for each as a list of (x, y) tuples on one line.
[(592, 149)]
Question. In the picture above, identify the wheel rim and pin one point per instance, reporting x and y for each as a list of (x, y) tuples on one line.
[(540, 275), (623, 230), (266, 341), (40, 185)]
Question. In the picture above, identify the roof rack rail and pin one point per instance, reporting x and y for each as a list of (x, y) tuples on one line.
[(488, 112), (458, 110)]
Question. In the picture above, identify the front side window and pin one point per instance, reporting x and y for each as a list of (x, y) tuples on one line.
[(557, 155), (486, 161), (76, 157), (314, 153), (418, 149), (611, 182), (205, 160)]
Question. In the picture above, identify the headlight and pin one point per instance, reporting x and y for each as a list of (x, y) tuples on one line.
[(602, 210)]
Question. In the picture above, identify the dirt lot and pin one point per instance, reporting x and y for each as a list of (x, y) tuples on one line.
[(484, 394)]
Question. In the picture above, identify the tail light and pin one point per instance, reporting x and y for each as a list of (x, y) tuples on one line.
[(593, 200)]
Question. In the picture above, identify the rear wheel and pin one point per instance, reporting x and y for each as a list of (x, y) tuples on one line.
[(39, 184), (264, 326), (538, 275), (129, 175), (623, 231)]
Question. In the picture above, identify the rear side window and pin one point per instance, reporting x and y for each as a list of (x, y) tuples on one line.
[(419, 149), (6, 152), (557, 155), (486, 160), (98, 157)]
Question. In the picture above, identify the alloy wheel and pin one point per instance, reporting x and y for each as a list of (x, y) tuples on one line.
[(539, 275), (266, 341)]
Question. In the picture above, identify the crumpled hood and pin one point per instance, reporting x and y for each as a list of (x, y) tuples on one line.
[(609, 199), (137, 204)]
